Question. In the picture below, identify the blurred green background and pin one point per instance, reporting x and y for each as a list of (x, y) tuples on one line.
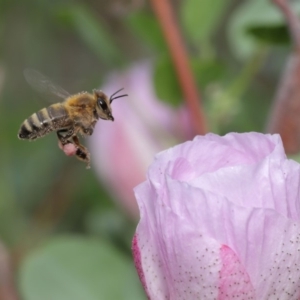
[(66, 238)]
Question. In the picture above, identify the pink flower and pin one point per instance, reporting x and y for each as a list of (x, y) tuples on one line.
[(121, 151), (220, 219)]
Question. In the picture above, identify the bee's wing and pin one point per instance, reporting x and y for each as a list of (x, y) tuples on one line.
[(43, 84)]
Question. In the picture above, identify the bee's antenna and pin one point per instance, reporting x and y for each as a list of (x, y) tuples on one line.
[(116, 92), (113, 98)]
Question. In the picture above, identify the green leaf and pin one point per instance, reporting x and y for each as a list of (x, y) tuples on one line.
[(200, 18), (276, 35), (76, 268), (248, 18), (166, 83), (146, 27)]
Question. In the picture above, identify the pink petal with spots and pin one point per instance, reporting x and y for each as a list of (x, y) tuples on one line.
[(234, 279), (137, 262), (194, 238)]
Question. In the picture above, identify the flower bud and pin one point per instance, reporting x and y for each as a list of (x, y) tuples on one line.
[(220, 219)]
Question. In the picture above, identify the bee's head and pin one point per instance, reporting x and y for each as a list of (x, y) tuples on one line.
[(103, 103), (103, 107)]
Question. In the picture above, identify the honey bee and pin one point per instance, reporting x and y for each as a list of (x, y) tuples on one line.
[(77, 114)]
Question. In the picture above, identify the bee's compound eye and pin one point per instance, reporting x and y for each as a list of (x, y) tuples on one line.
[(102, 104)]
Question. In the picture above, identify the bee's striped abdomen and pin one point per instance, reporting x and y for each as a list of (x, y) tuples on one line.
[(44, 121)]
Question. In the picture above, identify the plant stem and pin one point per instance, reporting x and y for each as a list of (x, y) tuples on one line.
[(284, 117), (165, 15)]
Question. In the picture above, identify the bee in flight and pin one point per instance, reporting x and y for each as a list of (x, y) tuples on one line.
[(77, 114)]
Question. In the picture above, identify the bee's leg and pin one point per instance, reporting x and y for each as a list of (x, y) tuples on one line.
[(82, 152), (64, 135), (66, 143)]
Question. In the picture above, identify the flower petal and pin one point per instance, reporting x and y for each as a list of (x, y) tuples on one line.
[(188, 266), (271, 184), (211, 152), (138, 264), (234, 279)]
